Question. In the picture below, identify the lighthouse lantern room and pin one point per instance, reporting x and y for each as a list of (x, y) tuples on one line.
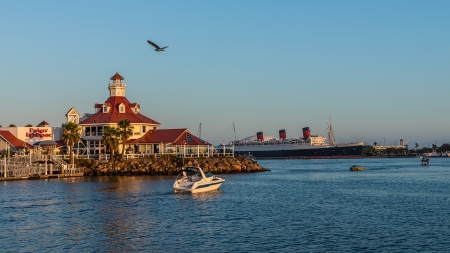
[(117, 87)]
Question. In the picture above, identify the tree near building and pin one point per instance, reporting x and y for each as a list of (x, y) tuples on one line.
[(110, 139), (28, 125), (368, 149), (71, 135), (124, 132), (444, 148)]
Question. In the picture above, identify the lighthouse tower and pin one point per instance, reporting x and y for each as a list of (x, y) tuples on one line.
[(117, 87)]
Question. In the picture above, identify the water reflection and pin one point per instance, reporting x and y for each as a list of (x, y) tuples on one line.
[(301, 205), (201, 196)]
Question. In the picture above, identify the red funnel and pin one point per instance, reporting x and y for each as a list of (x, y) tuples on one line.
[(282, 134), (259, 136), (306, 132)]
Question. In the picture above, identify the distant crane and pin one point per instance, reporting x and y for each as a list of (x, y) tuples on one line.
[(330, 134), (199, 132)]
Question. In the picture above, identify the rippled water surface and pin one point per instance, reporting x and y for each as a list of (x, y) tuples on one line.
[(395, 205)]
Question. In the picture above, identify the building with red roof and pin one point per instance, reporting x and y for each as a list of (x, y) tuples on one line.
[(177, 141), (10, 142), (43, 124), (31, 135), (146, 138)]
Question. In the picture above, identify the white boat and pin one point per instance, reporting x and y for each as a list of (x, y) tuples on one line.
[(192, 179)]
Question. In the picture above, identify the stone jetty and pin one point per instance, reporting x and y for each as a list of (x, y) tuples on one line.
[(168, 165)]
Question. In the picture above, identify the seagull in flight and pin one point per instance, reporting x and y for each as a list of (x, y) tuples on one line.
[(158, 49)]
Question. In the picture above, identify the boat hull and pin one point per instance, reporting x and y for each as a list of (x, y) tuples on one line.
[(305, 153), (199, 188), (357, 168)]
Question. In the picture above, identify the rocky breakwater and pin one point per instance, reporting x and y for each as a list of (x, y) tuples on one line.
[(167, 165)]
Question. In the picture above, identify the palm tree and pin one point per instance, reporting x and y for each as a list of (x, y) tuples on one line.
[(416, 145), (124, 131), (71, 135), (109, 139)]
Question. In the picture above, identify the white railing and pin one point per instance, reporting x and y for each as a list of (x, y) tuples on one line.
[(29, 165), (70, 169)]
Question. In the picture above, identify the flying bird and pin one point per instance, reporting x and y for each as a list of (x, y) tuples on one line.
[(158, 49)]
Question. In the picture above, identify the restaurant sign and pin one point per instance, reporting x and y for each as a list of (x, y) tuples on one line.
[(38, 132)]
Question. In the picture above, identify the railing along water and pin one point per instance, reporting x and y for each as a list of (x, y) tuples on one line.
[(24, 166)]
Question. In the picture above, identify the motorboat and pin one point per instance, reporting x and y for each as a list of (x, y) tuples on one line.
[(192, 179), (356, 168), (250, 157), (425, 161)]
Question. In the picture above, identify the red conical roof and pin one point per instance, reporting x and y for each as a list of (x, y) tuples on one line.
[(116, 76), (114, 116)]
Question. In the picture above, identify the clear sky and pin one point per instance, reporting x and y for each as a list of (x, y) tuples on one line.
[(380, 69)]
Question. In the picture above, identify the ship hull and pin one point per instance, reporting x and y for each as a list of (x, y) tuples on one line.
[(305, 153)]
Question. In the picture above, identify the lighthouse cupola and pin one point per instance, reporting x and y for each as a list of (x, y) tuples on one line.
[(117, 87)]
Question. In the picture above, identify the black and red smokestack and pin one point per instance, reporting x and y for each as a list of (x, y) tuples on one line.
[(259, 136), (306, 132), (282, 134)]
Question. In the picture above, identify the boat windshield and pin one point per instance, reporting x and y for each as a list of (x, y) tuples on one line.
[(190, 171)]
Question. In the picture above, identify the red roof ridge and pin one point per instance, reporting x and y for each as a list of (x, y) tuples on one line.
[(176, 136), (117, 76), (13, 140)]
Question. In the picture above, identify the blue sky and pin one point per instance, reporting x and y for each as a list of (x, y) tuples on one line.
[(380, 69)]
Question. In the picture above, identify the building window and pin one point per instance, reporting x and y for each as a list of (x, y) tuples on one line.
[(105, 109), (121, 109), (100, 130), (143, 129)]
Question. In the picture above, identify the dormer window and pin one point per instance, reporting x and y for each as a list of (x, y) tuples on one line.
[(135, 108), (121, 108), (105, 108)]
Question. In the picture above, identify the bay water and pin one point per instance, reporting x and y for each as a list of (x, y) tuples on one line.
[(395, 205)]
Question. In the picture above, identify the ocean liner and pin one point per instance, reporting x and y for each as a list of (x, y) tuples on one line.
[(306, 147)]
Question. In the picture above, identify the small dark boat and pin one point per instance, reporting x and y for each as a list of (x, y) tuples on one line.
[(425, 161), (250, 156), (34, 177)]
